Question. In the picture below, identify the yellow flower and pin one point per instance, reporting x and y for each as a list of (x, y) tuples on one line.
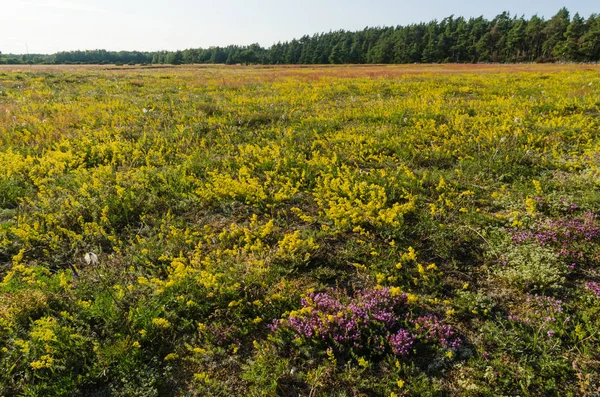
[(235, 303), (161, 322), (63, 279), (432, 209), (37, 365), (43, 362), (409, 256), (201, 377), (412, 298), (538, 187), (395, 291), (85, 304), (363, 363), (23, 345), (530, 206)]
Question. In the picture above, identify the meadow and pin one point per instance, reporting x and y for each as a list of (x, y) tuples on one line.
[(422, 230)]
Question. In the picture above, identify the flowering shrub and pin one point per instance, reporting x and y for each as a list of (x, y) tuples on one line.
[(373, 321), (431, 329)]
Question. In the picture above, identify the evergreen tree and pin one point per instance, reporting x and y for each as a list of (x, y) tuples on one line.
[(430, 52), (555, 33), (515, 40), (534, 38), (570, 49), (590, 41)]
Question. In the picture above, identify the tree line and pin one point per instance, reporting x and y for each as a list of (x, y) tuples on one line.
[(504, 39)]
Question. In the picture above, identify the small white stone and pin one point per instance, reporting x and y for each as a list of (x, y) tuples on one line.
[(91, 259)]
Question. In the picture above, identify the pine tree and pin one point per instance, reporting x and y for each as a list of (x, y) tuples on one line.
[(570, 49), (590, 41), (515, 40), (555, 33)]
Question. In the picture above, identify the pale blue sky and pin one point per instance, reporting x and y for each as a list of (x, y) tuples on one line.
[(48, 26)]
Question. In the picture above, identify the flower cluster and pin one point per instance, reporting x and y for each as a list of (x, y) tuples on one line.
[(325, 317), (594, 287), (432, 329), (569, 237), (401, 342), (374, 318), (561, 231)]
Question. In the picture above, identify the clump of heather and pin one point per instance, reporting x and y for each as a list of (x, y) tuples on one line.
[(594, 287), (573, 239), (401, 342), (325, 317), (431, 328), (375, 321)]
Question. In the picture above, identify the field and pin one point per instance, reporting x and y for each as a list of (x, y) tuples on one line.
[(420, 230)]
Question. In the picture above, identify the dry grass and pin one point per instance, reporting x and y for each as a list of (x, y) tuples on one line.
[(345, 71)]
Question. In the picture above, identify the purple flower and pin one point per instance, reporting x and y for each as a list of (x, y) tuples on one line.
[(431, 328), (565, 235), (594, 287), (373, 320), (273, 326), (401, 342)]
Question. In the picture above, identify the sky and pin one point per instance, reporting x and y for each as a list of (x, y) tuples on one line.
[(48, 26)]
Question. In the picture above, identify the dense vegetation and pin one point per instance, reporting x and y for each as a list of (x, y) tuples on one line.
[(504, 39), (342, 231)]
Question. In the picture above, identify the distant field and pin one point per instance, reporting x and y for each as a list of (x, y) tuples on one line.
[(415, 230), (353, 70)]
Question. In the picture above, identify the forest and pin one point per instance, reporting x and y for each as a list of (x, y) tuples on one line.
[(504, 39)]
